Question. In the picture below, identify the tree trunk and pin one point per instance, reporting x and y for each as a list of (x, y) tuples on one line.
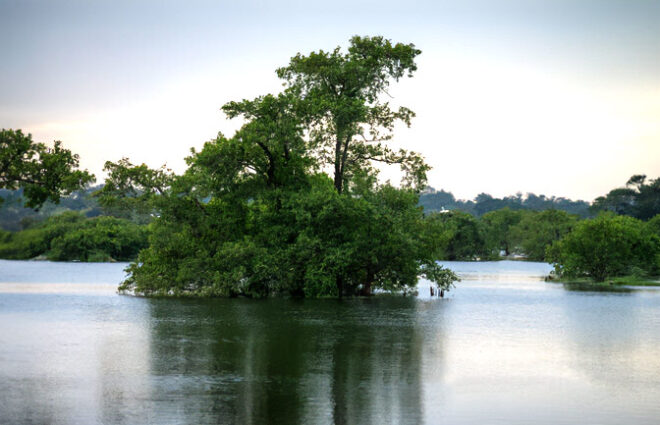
[(340, 286), (338, 178), (338, 172), (366, 288)]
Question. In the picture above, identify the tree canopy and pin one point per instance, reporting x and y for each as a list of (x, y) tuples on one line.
[(607, 246), (43, 173), (640, 198), (340, 98)]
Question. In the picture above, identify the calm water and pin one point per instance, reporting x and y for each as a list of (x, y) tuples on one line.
[(503, 348)]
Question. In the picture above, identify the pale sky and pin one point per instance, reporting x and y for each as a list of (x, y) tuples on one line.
[(556, 97)]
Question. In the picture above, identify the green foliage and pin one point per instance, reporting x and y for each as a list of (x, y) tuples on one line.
[(131, 190), (638, 199), (653, 225), (498, 228), (433, 200), (71, 236), (43, 173), (254, 214), (311, 243), (14, 216), (339, 99), (605, 247), (443, 278), (536, 231), (454, 235)]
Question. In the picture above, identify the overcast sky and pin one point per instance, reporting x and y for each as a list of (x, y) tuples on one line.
[(554, 97)]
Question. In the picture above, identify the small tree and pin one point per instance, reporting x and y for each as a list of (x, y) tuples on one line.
[(539, 230), (604, 247)]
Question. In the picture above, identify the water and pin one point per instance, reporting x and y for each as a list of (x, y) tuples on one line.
[(503, 348)]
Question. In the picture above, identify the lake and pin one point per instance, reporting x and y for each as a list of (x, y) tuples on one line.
[(504, 347)]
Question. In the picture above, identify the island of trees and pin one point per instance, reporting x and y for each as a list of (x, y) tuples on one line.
[(291, 203)]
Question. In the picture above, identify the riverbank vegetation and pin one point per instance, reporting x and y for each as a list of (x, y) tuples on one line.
[(73, 237), (607, 247)]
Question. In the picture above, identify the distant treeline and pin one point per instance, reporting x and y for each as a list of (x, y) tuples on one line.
[(438, 200), (14, 216), (617, 236), (71, 236)]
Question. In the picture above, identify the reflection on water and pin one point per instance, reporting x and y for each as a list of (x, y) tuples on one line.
[(312, 361), (591, 287), (503, 348)]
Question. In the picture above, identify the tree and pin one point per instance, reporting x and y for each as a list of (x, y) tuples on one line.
[(604, 247), (341, 104), (255, 214), (453, 236), (536, 231), (498, 225), (639, 199), (43, 173), (653, 225), (133, 191), (72, 236)]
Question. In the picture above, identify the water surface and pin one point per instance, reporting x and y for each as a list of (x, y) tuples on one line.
[(503, 348)]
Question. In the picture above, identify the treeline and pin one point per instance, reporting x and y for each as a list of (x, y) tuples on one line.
[(434, 200), (76, 228), (639, 198), (15, 216), (496, 234), (618, 236), (71, 236)]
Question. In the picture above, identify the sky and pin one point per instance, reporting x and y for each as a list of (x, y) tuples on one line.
[(556, 97)]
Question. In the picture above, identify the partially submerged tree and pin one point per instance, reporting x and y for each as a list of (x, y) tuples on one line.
[(43, 173), (605, 247), (255, 214)]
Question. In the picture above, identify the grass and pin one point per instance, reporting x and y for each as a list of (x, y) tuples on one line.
[(614, 284), (634, 281)]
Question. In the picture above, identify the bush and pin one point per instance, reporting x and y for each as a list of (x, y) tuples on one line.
[(71, 236), (605, 247)]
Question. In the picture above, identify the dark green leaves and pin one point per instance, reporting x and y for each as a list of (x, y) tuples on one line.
[(605, 247), (44, 173), (340, 97)]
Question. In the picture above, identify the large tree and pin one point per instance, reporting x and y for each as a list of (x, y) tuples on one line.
[(342, 103), (43, 173), (255, 214)]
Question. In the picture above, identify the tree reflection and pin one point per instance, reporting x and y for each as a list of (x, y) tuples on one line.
[(284, 361)]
